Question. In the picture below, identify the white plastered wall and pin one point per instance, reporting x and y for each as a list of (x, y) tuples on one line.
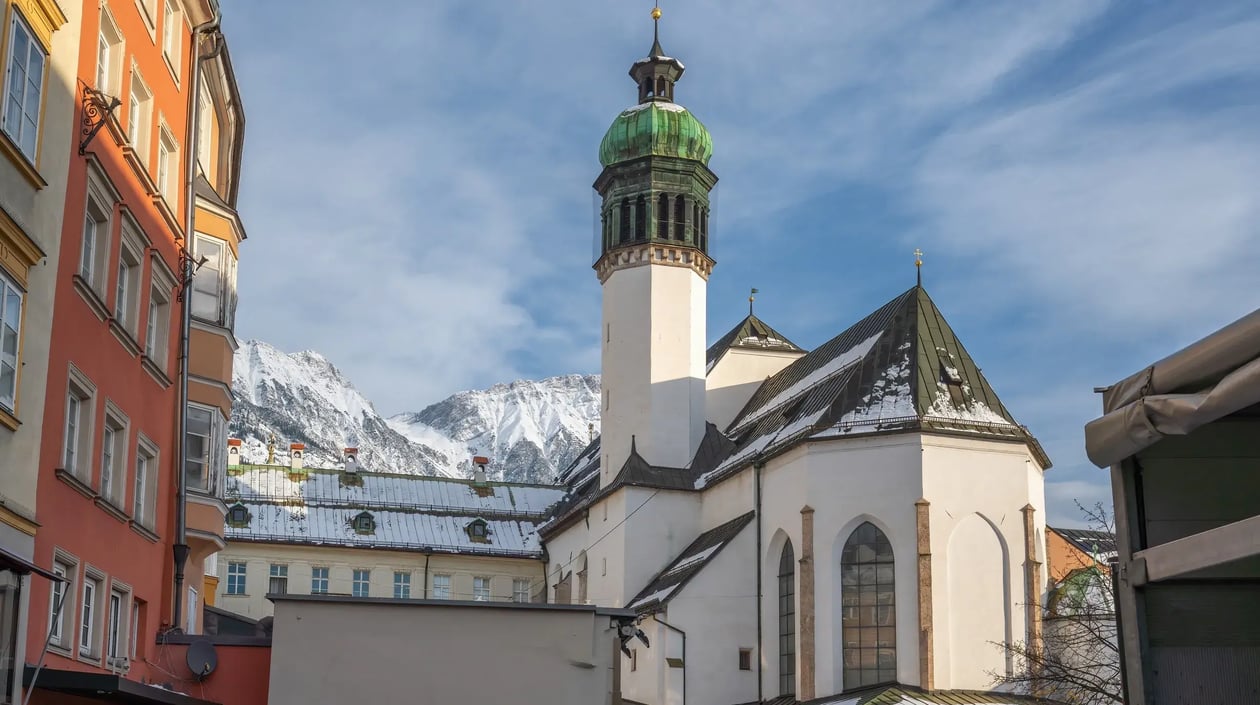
[(736, 376), (653, 340), (977, 489)]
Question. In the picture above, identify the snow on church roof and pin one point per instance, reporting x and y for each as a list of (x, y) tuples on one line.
[(691, 561), (409, 512)]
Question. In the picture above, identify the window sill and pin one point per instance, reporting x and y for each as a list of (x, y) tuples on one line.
[(155, 371), (92, 298), (145, 532), (168, 214), (111, 509), (60, 650), (124, 337), (75, 483), (9, 421), (21, 161), (170, 66), (89, 658), (137, 163)]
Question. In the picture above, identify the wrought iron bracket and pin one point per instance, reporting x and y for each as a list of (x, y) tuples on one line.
[(187, 270), (97, 108)]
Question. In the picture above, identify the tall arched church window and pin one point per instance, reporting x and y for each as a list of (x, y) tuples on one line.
[(662, 217), (787, 621), (623, 232), (868, 608), (640, 218), (680, 218)]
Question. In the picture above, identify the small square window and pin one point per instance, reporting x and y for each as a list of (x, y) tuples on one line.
[(441, 587), (236, 578), (238, 517), (364, 523), (278, 583), (319, 580)]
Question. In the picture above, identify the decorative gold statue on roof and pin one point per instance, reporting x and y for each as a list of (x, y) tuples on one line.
[(271, 449)]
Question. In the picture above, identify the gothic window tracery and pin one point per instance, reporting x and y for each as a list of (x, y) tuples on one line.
[(787, 621), (868, 608)]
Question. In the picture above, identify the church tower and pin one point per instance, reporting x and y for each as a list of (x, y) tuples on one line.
[(654, 266)]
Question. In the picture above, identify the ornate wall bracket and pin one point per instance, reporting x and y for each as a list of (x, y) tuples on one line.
[(97, 108)]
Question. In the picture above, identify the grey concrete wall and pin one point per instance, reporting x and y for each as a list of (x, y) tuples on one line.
[(340, 650)]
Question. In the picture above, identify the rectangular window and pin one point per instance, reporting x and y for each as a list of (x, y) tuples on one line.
[(25, 86), (61, 602), (481, 589), (139, 117), (205, 120), (156, 326), (137, 614), (168, 167), (95, 246), (171, 44), (191, 614), (520, 590), (634, 659), (114, 645), (236, 578), (441, 587), (141, 502), (205, 444), (77, 442), (113, 457), (10, 341), (109, 54), (362, 583), (402, 585), (319, 580), (87, 618), (278, 580), (127, 290), (745, 659), (214, 285)]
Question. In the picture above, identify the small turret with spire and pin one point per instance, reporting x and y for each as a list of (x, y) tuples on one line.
[(657, 74)]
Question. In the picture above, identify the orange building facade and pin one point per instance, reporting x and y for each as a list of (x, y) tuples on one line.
[(154, 161)]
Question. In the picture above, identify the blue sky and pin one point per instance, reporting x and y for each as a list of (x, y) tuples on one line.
[(1081, 175)]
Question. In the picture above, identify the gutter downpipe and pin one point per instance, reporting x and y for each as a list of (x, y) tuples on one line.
[(758, 464), (665, 624), (181, 549), (425, 592)]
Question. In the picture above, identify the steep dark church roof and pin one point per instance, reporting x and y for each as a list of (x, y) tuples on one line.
[(901, 368), (751, 333)]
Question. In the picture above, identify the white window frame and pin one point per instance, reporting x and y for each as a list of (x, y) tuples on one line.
[(130, 276), (190, 616), (25, 127), (321, 577), (97, 233), (67, 567), (278, 571), (237, 574), (109, 54), (441, 586), (90, 614), (520, 590), (361, 582), (11, 300), (481, 588), (76, 443), (214, 459), (144, 482), (117, 613), (172, 43), (167, 176), (149, 13), (214, 285), (113, 458), (158, 318), (139, 115), (205, 114), (133, 634), (402, 584)]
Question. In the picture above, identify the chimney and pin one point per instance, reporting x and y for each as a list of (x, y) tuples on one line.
[(351, 457), (295, 456), (479, 469), (234, 453)]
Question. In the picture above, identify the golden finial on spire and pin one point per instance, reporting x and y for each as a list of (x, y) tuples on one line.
[(656, 13), (918, 266)]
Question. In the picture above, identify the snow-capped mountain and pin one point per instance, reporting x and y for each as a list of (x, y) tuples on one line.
[(529, 429)]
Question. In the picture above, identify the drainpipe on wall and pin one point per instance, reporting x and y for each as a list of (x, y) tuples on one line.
[(425, 593), (757, 466), (181, 549)]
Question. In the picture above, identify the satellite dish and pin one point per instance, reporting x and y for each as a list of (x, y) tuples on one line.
[(202, 659)]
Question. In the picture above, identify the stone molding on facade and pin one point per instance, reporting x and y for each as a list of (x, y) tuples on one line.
[(924, 540), (654, 252), (807, 604)]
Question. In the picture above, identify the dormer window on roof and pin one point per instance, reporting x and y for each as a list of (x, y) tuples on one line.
[(478, 530), (363, 523), (238, 517)]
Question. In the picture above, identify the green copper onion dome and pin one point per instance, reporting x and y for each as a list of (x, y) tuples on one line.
[(655, 128)]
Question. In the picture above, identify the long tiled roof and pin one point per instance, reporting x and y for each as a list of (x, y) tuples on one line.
[(409, 512), (687, 565)]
